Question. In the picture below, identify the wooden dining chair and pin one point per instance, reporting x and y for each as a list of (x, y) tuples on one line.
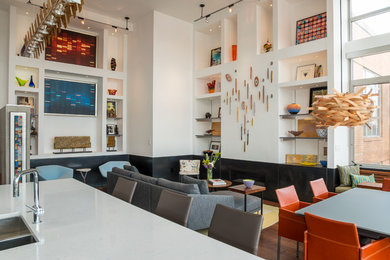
[(386, 184), (174, 207), (291, 226), (236, 228), (330, 239), (320, 191), (124, 189)]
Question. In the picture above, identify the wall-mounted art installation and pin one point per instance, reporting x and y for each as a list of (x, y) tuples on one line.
[(305, 72), (228, 77), (256, 81), (311, 28), (215, 56), (63, 97), (72, 47), (111, 109)]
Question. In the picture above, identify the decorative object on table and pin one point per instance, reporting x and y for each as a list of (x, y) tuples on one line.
[(73, 48), (215, 56), (343, 109), (228, 77), (215, 146), (318, 71), (305, 71), (256, 81), (319, 91), (72, 142), (110, 129), (296, 133), (308, 127), (299, 158), (111, 109), (219, 112), (51, 18), (311, 28), (294, 108), (58, 93), (112, 92), (211, 86), (248, 183), (113, 64), (111, 143), (209, 162), (324, 163), (31, 84), (21, 82), (216, 126), (322, 132), (217, 182), (267, 46), (207, 115), (234, 52)]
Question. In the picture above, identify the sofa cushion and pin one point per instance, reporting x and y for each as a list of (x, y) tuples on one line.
[(144, 178), (345, 172), (341, 189), (356, 179), (122, 171), (253, 202), (182, 187), (131, 168), (202, 184)]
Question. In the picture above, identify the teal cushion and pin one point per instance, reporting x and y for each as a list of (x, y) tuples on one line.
[(356, 179), (345, 172)]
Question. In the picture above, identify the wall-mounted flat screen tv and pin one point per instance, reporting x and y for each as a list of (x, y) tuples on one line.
[(63, 97)]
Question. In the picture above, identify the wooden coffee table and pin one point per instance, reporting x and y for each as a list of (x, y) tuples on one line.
[(246, 191), (369, 185), (211, 187)]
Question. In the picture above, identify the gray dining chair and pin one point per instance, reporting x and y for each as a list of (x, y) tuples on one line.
[(174, 207), (236, 228), (124, 189)]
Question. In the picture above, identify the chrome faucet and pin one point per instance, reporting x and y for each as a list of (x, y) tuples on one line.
[(37, 210)]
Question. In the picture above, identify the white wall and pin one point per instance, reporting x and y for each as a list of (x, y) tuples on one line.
[(4, 27), (172, 86), (140, 88)]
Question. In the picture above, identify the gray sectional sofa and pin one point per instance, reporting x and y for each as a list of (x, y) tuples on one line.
[(148, 190)]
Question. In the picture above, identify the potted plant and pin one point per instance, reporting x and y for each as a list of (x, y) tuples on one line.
[(209, 163)]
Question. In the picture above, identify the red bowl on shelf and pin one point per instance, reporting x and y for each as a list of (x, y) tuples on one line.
[(112, 92)]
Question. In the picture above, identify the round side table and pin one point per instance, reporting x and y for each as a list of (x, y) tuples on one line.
[(84, 172)]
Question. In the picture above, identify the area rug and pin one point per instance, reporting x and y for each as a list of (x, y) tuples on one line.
[(271, 216)]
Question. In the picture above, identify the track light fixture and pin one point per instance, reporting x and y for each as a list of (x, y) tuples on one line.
[(231, 8), (206, 17)]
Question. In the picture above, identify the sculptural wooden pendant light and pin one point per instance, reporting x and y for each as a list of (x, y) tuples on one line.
[(343, 109), (53, 15)]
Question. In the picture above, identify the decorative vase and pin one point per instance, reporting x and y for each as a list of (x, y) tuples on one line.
[(31, 84), (322, 132), (112, 92), (21, 82), (267, 46), (209, 173), (234, 52), (113, 64), (294, 108)]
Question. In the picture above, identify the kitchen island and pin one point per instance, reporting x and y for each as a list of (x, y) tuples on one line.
[(81, 222)]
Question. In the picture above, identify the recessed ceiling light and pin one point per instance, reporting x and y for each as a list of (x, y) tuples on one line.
[(270, 5), (89, 27), (26, 12), (211, 29)]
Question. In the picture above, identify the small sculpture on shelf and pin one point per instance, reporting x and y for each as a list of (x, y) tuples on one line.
[(112, 92), (31, 84), (211, 86), (21, 82), (322, 132), (267, 46), (208, 115), (294, 108), (113, 64), (296, 133)]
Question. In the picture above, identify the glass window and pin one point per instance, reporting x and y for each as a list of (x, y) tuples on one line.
[(372, 144), (371, 26), (359, 7), (371, 66)]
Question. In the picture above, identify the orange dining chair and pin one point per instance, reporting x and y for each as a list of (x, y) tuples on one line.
[(291, 226), (320, 190), (329, 239), (386, 184)]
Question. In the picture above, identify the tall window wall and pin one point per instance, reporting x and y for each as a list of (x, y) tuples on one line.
[(370, 68)]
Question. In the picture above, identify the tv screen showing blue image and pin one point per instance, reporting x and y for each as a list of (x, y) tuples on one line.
[(70, 97)]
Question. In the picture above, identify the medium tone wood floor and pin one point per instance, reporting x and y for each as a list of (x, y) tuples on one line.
[(269, 244)]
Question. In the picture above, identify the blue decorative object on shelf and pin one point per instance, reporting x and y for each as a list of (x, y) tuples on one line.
[(324, 163), (31, 84)]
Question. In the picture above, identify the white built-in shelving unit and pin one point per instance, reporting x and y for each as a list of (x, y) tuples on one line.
[(110, 44)]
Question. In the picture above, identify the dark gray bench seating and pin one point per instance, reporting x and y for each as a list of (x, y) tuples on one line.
[(148, 190)]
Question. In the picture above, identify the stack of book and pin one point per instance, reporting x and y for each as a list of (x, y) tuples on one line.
[(217, 182)]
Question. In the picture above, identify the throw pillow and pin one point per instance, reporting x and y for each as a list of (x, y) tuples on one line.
[(122, 171), (177, 186), (202, 184), (356, 179), (131, 168), (144, 178), (345, 172)]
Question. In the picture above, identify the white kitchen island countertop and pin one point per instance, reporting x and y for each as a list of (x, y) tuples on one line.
[(81, 222)]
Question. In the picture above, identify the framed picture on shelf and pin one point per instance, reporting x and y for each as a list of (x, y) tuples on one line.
[(215, 146), (26, 101), (215, 56), (316, 92), (311, 28), (306, 72), (111, 109), (110, 129)]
